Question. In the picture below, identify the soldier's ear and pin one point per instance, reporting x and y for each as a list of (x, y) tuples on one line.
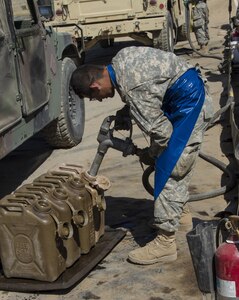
[(95, 86)]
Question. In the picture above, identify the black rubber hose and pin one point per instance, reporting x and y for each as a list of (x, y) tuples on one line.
[(145, 180), (217, 192), (201, 196), (187, 16)]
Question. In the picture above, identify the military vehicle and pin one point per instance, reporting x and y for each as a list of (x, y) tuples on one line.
[(42, 42), (36, 67), (158, 23)]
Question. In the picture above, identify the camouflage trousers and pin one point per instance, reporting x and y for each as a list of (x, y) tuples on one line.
[(169, 204), (200, 16)]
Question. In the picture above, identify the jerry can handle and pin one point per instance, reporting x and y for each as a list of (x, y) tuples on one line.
[(13, 207)]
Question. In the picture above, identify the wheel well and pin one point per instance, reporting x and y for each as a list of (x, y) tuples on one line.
[(72, 52)]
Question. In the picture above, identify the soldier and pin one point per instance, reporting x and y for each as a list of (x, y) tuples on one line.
[(200, 16), (168, 100)]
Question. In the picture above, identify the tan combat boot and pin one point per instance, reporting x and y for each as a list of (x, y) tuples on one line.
[(161, 249)]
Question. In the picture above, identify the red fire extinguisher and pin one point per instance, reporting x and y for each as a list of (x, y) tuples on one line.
[(227, 263)]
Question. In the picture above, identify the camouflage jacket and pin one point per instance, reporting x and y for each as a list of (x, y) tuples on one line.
[(143, 76)]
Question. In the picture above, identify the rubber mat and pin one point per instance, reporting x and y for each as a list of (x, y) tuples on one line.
[(72, 275)]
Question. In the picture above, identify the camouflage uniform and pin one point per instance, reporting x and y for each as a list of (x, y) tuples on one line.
[(143, 76), (200, 16)]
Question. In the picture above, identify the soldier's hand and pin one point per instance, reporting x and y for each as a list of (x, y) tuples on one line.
[(145, 158)]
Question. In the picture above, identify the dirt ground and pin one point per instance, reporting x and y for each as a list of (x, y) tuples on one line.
[(129, 206)]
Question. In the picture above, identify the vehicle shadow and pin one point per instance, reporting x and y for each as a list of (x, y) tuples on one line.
[(103, 56), (99, 55), (21, 163)]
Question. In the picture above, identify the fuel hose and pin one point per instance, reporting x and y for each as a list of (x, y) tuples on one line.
[(201, 196), (220, 191)]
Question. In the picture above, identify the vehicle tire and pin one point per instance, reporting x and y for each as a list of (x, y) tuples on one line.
[(106, 43), (164, 39), (182, 33), (67, 130)]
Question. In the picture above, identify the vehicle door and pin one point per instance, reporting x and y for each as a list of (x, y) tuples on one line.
[(10, 106), (31, 50)]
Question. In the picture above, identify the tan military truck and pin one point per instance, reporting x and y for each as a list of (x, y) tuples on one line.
[(42, 42), (158, 23)]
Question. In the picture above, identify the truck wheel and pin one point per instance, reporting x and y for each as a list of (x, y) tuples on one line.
[(164, 39), (67, 130)]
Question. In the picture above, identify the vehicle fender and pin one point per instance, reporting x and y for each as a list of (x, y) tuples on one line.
[(65, 46)]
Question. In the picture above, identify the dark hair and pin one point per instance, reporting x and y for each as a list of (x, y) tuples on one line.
[(83, 77)]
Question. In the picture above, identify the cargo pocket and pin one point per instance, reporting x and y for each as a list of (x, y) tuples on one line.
[(186, 161), (197, 18), (198, 23)]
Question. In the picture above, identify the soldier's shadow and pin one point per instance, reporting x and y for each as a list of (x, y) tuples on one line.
[(132, 215)]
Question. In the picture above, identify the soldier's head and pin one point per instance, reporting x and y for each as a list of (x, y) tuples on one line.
[(93, 82)]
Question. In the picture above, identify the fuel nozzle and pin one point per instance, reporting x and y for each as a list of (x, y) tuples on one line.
[(107, 140)]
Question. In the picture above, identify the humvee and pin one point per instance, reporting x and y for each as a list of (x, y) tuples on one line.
[(42, 42), (157, 23), (36, 67)]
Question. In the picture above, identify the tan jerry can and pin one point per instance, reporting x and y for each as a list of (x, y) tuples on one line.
[(31, 246), (76, 177), (64, 217), (88, 219), (75, 185)]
